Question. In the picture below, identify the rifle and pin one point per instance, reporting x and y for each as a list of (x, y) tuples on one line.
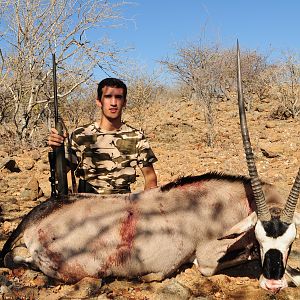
[(57, 159)]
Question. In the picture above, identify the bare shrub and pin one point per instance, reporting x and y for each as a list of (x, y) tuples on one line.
[(32, 30), (80, 107), (195, 67), (288, 85), (208, 74), (281, 113), (142, 91), (258, 77)]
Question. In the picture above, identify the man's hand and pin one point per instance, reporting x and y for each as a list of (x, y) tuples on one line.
[(54, 139)]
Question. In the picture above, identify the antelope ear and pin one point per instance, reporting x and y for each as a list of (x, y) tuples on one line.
[(241, 227), (296, 218)]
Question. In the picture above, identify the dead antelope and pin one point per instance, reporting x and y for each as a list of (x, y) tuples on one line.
[(214, 218)]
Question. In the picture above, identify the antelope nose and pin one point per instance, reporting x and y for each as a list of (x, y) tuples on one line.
[(274, 290), (273, 285)]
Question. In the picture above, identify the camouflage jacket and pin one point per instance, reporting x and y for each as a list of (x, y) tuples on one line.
[(107, 160)]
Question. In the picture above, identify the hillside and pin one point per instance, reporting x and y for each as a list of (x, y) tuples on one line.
[(176, 130)]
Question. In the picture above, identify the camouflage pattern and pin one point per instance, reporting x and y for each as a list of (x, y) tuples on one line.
[(107, 159)]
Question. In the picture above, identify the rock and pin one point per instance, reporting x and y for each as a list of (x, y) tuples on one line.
[(44, 167), (5, 284), (35, 278), (88, 286), (32, 190), (3, 154), (12, 216), (10, 207), (259, 108), (271, 150), (9, 164), (29, 204), (254, 116), (29, 164), (3, 186), (45, 159), (268, 153), (103, 297), (270, 125), (6, 292), (35, 154), (8, 227), (263, 136), (172, 290), (84, 289)]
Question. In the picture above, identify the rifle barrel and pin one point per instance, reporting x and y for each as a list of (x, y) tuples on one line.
[(55, 89)]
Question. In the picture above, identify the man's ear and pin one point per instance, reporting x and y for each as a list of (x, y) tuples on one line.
[(98, 102)]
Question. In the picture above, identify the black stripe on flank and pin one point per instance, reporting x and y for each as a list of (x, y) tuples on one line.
[(207, 176)]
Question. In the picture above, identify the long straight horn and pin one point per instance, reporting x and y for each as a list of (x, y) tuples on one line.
[(290, 206), (263, 212)]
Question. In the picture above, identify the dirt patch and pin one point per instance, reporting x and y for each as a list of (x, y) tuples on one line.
[(179, 145)]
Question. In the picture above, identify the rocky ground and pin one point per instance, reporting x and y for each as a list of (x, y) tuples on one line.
[(177, 135)]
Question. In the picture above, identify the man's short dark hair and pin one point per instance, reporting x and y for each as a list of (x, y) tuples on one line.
[(111, 82)]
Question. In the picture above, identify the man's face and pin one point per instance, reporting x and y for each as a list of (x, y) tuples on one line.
[(112, 102)]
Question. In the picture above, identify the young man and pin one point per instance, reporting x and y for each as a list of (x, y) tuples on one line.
[(107, 152)]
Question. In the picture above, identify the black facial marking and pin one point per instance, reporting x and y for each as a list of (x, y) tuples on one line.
[(275, 228), (273, 267)]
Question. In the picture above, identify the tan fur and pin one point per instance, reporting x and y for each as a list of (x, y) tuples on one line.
[(152, 232)]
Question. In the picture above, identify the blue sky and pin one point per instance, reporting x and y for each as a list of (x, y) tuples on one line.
[(159, 25)]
